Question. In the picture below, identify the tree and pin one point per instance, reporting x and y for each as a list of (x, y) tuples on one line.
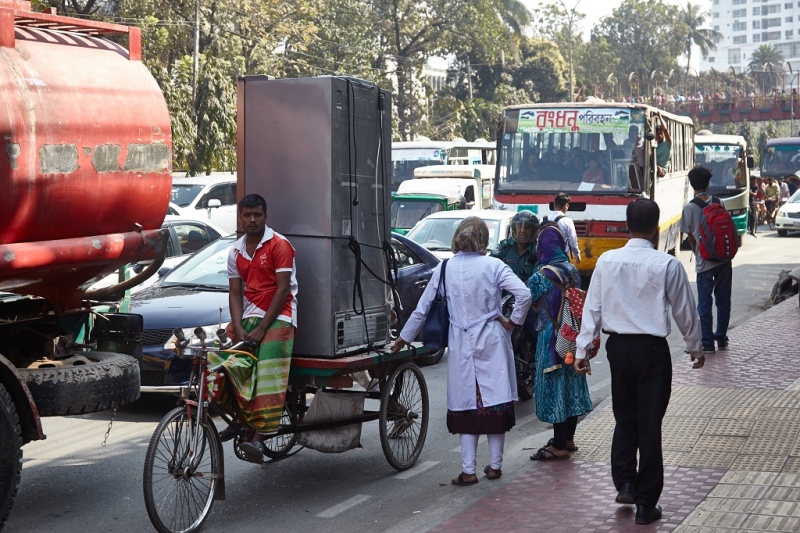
[(763, 61), (705, 39), (764, 55), (515, 14), (646, 36)]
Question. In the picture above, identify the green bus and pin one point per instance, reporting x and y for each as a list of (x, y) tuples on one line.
[(726, 157)]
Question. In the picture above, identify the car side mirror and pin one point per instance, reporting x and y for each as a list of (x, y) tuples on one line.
[(163, 271), (751, 162), (213, 203)]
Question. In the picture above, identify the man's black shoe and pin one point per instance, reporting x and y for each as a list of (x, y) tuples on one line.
[(647, 515), (625, 494)]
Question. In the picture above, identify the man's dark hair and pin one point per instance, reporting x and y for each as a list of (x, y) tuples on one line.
[(642, 215), (253, 200), (561, 200), (699, 178)]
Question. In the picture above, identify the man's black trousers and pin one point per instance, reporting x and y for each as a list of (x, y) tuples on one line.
[(641, 379)]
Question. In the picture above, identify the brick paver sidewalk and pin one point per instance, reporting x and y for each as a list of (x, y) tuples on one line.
[(731, 441)]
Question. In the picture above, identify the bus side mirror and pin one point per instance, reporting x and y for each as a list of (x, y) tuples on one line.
[(751, 162), (649, 136)]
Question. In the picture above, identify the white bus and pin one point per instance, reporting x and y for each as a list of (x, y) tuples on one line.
[(543, 150), (408, 156)]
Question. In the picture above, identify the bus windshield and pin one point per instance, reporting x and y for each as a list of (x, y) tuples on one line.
[(592, 150), (725, 163), (405, 160), (780, 160)]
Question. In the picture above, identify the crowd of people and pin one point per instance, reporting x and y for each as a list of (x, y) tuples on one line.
[(536, 266), (636, 320)]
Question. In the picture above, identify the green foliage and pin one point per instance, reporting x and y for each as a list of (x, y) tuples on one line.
[(646, 37)]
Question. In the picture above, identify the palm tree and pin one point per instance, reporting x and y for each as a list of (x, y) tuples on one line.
[(515, 14), (704, 38), (765, 57)]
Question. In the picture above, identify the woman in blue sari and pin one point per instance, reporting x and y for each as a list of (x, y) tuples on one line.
[(561, 394)]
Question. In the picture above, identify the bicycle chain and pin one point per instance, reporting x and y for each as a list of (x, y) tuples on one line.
[(110, 423)]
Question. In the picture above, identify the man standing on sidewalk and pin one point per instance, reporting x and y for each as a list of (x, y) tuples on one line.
[(559, 218), (713, 277), (630, 296)]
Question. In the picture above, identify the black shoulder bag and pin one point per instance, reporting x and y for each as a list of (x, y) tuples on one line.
[(437, 323)]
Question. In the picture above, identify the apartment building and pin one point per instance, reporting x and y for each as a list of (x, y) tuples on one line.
[(747, 24)]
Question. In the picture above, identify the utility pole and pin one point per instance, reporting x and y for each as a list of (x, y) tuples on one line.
[(196, 65), (570, 19), (469, 77)]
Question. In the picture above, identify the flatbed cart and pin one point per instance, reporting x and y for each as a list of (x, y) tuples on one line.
[(184, 466)]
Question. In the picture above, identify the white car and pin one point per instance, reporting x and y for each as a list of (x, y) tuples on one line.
[(435, 232), (185, 238), (209, 198), (788, 218)]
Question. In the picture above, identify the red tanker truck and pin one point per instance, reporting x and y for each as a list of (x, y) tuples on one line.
[(84, 187)]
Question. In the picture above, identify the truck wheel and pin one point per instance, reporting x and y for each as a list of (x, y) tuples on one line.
[(83, 383), (10, 454)]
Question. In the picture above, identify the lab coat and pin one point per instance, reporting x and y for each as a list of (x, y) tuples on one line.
[(479, 347)]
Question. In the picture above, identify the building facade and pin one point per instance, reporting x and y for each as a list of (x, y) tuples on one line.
[(747, 24)]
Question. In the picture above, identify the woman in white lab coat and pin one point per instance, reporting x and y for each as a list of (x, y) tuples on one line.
[(481, 380)]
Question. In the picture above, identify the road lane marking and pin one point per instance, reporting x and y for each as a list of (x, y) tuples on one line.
[(344, 506), (599, 385), (416, 470)]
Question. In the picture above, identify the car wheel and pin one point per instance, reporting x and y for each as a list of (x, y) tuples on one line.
[(431, 359), (85, 382), (10, 454), (783, 232)]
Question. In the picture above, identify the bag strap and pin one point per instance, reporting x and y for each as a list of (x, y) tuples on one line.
[(442, 284), (559, 217)]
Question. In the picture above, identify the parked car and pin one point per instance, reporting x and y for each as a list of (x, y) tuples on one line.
[(195, 293), (435, 232), (185, 238), (209, 198), (788, 218)]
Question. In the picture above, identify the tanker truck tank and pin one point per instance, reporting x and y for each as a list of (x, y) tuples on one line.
[(85, 157)]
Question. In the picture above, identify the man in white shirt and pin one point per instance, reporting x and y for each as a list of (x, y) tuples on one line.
[(565, 224), (630, 296)]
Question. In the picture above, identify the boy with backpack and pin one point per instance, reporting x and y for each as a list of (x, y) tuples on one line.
[(565, 225), (712, 236)]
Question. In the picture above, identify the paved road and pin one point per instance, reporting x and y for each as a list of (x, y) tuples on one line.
[(73, 484)]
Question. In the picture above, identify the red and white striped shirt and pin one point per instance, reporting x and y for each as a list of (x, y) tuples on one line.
[(273, 254)]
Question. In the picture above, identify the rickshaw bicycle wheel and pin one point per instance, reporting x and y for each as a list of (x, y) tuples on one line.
[(403, 417), (177, 498), (277, 446)]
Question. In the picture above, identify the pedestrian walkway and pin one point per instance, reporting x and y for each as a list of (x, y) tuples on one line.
[(731, 441)]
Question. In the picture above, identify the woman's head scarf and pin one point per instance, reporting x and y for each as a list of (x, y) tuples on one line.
[(550, 252), (472, 235)]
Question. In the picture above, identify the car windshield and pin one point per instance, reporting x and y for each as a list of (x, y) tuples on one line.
[(723, 162), (209, 267), (405, 160), (183, 194), (436, 234), (406, 213), (795, 199), (570, 149), (780, 160)]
